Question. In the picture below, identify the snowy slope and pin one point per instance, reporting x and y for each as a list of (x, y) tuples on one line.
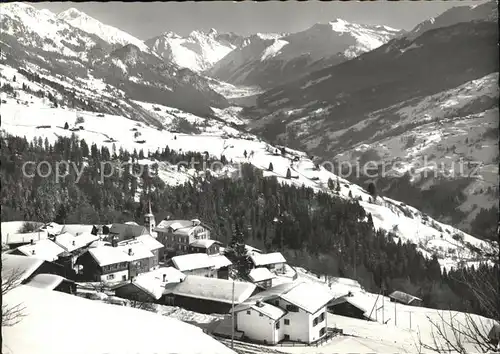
[(107, 33), (403, 221), (284, 56), (198, 51), (109, 326)]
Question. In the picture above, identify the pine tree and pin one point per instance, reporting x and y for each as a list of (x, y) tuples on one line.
[(237, 252), (66, 126), (331, 184), (270, 168)]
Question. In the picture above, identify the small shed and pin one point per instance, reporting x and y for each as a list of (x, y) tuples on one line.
[(53, 282), (405, 299), (194, 264), (261, 277), (273, 261), (209, 247)]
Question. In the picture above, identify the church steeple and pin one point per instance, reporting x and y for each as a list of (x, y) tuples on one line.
[(149, 221)]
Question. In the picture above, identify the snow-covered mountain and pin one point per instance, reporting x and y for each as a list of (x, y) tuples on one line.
[(109, 34), (198, 51), (486, 11), (269, 60)]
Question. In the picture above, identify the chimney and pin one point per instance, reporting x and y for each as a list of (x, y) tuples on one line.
[(73, 243), (130, 251), (32, 243), (33, 252), (164, 278)]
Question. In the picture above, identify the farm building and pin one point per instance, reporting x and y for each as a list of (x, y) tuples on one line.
[(405, 299), (23, 269), (209, 247), (350, 307), (221, 265), (208, 295), (45, 249), (261, 277), (80, 229), (195, 264)]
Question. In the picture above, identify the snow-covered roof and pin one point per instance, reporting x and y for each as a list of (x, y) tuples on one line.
[(203, 243), (214, 289), (11, 238), (131, 223), (183, 227), (20, 267), (260, 259), (77, 229), (308, 296), (13, 227), (136, 251), (403, 297), (44, 249), (108, 323), (260, 274), (109, 255), (192, 261), (219, 261), (99, 243), (70, 242), (273, 312), (251, 249), (46, 281), (150, 242)]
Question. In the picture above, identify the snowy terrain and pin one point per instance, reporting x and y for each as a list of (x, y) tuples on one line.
[(38, 120), (108, 328)]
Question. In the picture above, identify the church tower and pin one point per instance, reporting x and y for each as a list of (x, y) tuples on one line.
[(149, 221)]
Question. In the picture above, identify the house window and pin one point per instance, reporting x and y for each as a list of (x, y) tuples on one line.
[(286, 337), (277, 324), (322, 317), (315, 322), (292, 308), (322, 331), (277, 302), (261, 315), (124, 277), (248, 312), (287, 322), (111, 276)]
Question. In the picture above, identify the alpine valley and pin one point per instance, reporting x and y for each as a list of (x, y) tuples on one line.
[(271, 108)]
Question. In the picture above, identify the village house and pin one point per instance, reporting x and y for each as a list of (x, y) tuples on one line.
[(14, 240), (141, 259), (261, 277), (208, 295), (272, 261), (288, 312), (177, 235), (195, 264), (405, 299), (80, 229), (351, 306), (149, 287), (121, 232), (209, 247), (53, 282), (23, 269), (104, 264), (44, 249), (151, 244)]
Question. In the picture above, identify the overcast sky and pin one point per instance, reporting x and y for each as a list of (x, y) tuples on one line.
[(145, 20)]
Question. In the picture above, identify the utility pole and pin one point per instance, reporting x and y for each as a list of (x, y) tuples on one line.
[(383, 306), (410, 319), (232, 318), (395, 317)]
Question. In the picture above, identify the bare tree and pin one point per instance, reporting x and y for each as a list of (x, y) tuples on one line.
[(466, 332), (11, 314)]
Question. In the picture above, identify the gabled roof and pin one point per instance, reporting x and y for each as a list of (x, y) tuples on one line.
[(70, 242), (219, 261), (108, 255), (308, 296), (136, 251), (260, 274), (403, 297), (147, 240), (183, 227), (125, 231), (251, 249), (268, 310), (44, 249), (192, 261), (12, 238), (203, 243), (20, 267), (214, 289), (261, 259), (46, 281)]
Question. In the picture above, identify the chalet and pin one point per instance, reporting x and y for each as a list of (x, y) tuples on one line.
[(351, 306), (151, 244), (72, 243), (209, 247), (261, 277), (141, 259), (272, 261), (195, 264), (104, 264), (149, 287), (221, 265), (177, 235), (121, 232), (208, 295), (23, 268), (405, 299), (44, 249), (53, 282), (287, 312)]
